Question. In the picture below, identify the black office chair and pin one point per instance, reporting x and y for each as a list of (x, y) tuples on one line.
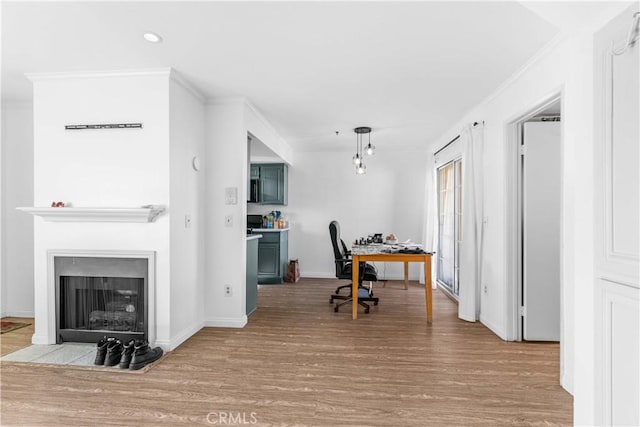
[(343, 271)]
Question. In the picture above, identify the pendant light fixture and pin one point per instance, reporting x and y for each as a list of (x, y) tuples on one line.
[(358, 159)]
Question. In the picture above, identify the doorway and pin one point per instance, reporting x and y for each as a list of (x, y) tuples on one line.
[(534, 147)]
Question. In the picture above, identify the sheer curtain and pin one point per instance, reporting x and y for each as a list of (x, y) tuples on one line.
[(446, 220), (472, 219)]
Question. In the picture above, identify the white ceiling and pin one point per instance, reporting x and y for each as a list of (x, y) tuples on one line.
[(407, 69)]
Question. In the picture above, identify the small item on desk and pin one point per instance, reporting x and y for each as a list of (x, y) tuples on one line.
[(391, 239), (414, 250)]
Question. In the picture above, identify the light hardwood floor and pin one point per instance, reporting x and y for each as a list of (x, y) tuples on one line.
[(299, 363)]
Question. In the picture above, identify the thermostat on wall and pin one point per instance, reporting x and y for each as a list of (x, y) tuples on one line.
[(231, 196), (195, 163)]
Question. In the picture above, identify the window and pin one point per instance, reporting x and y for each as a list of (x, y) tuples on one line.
[(449, 225)]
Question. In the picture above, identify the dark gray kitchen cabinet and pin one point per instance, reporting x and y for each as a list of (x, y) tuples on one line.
[(255, 172), (252, 275), (273, 253), (273, 179)]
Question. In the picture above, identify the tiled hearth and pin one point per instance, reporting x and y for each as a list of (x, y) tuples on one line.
[(75, 354)]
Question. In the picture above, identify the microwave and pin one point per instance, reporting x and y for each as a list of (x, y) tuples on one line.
[(254, 221), (254, 191)]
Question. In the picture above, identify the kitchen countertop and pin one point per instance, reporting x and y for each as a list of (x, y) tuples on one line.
[(268, 230), (253, 236)]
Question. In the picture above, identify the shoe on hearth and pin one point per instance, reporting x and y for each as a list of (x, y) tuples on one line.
[(127, 354), (114, 353), (143, 355), (102, 350)]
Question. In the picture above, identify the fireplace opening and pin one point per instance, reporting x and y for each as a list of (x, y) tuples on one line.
[(101, 296)]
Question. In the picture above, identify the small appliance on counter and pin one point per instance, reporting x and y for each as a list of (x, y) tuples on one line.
[(273, 219), (253, 221)]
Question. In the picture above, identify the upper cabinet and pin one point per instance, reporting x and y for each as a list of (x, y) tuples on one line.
[(273, 179), (255, 171)]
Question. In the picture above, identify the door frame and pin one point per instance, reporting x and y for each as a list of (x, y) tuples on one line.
[(513, 216)]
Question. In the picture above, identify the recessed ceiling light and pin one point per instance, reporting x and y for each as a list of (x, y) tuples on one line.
[(152, 37)]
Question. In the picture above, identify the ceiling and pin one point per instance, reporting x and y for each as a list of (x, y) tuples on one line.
[(409, 70)]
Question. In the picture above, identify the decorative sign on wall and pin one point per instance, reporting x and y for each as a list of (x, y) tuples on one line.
[(105, 126)]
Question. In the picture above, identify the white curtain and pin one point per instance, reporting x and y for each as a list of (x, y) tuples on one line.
[(472, 219)]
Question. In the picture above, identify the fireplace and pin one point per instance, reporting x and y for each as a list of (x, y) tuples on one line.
[(98, 296)]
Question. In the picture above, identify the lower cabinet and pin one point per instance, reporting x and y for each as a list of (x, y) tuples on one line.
[(273, 253), (252, 275)]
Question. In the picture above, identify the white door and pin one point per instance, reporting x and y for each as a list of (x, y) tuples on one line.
[(617, 227), (541, 231)]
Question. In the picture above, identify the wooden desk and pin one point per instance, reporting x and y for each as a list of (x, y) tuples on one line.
[(384, 257)]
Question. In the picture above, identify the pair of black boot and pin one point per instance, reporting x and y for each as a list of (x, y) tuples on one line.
[(134, 354)]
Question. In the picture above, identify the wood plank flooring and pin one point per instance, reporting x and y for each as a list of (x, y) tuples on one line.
[(17, 339), (299, 363)]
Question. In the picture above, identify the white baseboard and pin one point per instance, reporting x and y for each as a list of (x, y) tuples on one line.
[(226, 322), (565, 384), (317, 275), (40, 339), (28, 314), (170, 345), (493, 328), (324, 275)]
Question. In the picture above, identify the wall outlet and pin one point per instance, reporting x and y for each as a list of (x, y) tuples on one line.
[(485, 289), (227, 291), (228, 221), (187, 221)]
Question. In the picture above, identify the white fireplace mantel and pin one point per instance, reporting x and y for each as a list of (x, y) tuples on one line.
[(72, 214)]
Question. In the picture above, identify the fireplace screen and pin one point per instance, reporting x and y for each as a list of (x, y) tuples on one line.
[(101, 296), (102, 303)]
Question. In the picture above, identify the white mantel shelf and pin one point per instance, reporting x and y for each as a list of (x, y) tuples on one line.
[(71, 214)]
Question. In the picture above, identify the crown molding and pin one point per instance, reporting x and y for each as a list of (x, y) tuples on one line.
[(226, 100), (534, 60), (179, 79), (64, 75)]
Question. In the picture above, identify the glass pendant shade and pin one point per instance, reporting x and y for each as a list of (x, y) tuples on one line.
[(361, 169)]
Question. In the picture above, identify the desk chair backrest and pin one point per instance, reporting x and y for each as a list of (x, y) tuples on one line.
[(340, 252)]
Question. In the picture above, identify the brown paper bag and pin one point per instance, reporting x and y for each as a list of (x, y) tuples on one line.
[(293, 271)]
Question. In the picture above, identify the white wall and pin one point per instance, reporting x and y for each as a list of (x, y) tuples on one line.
[(262, 129), (17, 228), (566, 66), (104, 168), (3, 292), (186, 118), (225, 166), (323, 186)]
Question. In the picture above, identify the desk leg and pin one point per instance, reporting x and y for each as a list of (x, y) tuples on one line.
[(355, 270), (427, 285), (406, 275)]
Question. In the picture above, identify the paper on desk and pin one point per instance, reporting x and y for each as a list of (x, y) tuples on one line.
[(409, 245)]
